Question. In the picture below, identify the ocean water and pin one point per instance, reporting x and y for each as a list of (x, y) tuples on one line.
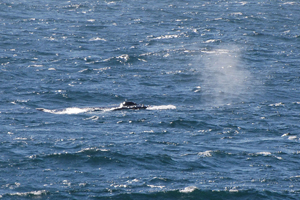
[(222, 78)]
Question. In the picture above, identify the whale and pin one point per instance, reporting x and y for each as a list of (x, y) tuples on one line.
[(126, 105), (131, 105)]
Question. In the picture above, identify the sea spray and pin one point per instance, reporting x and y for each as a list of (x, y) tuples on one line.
[(224, 77)]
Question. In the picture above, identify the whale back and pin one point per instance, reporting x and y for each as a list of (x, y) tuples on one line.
[(128, 103)]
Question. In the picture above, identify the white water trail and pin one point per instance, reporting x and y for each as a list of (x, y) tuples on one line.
[(68, 111), (162, 107)]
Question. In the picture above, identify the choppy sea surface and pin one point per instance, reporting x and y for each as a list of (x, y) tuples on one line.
[(223, 77)]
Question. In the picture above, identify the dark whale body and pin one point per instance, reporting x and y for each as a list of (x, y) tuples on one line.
[(130, 105)]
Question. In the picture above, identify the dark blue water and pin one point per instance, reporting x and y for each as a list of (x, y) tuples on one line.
[(222, 78)]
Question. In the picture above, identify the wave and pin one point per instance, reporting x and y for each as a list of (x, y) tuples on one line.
[(192, 192), (31, 194)]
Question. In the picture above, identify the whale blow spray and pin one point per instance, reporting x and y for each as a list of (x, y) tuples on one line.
[(224, 78)]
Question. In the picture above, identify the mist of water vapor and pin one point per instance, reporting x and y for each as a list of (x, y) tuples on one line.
[(224, 78)]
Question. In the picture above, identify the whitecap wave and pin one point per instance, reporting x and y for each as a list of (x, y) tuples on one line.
[(277, 104), (156, 186), (97, 39), (289, 3), (205, 153), (166, 37), (264, 153), (91, 149), (188, 189), (35, 193)]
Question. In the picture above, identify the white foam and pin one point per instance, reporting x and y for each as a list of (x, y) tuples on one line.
[(237, 13), (97, 39), (162, 107), (289, 3), (125, 57), (36, 65), (120, 186), (188, 189), (233, 190), (263, 153), (91, 149), (205, 153), (102, 69), (297, 176), (292, 137), (210, 41), (111, 2), (151, 131), (132, 181), (69, 111), (66, 182), (243, 3), (20, 138), (277, 104), (156, 186), (166, 37), (35, 193)]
